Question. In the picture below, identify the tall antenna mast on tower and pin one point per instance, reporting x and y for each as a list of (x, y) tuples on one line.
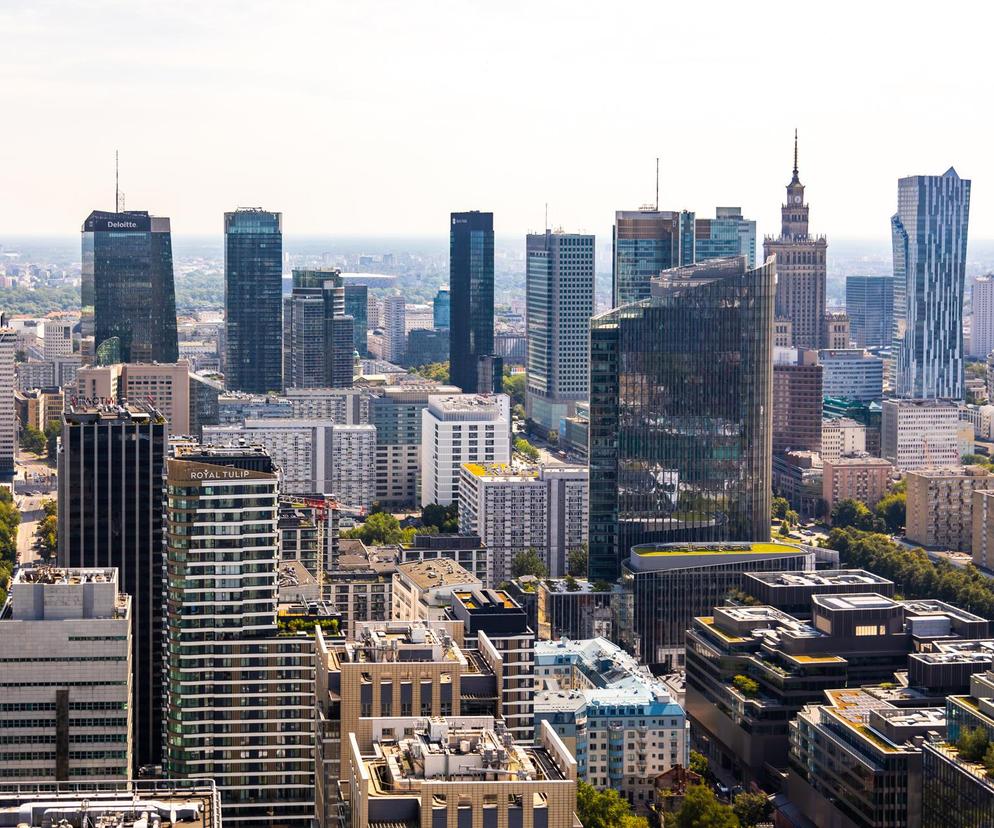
[(657, 183), (547, 215), (117, 183)]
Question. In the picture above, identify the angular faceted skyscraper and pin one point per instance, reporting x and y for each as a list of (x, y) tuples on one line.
[(253, 293), (680, 412), (929, 233), (471, 286), (128, 298), (647, 242), (560, 301), (318, 340)]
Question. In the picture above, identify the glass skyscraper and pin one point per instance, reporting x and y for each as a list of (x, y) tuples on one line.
[(680, 412), (127, 294), (253, 292), (929, 233), (471, 286), (727, 234), (357, 306), (646, 242), (318, 341), (870, 308), (441, 309)]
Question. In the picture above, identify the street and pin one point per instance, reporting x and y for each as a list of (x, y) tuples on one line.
[(32, 475)]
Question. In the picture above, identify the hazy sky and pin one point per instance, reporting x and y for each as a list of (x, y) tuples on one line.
[(373, 117)]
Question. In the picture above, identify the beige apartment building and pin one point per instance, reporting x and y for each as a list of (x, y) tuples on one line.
[(940, 506), (856, 477), (983, 528), (468, 773)]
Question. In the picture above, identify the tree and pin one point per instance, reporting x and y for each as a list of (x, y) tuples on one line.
[(780, 507), (32, 439), (514, 387), (47, 531), (973, 744), (380, 529), (444, 518), (522, 446), (892, 510), (746, 686), (851, 512), (605, 809), (751, 808), (698, 763), (571, 584), (988, 760), (52, 433), (701, 809), (434, 371), (576, 561), (528, 562)]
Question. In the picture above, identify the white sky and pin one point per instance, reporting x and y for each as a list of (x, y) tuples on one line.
[(379, 117)]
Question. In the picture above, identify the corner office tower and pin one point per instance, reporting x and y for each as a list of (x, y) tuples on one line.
[(471, 290), (128, 299)]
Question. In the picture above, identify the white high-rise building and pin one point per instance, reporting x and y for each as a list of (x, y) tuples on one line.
[(65, 684), (8, 417), (841, 436), (344, 406), (457, 429), (982, 324), (58, 338), (560, 302), (315, 456), (851, 374), (918, 434), (514, 510), (395, 341)]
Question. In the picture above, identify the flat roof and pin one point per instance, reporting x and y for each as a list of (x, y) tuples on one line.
[(436, 572), (647, 550), (870, 600), (826, 577)]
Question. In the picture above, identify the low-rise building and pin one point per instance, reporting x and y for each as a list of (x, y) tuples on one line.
[(619, 721), (466, 550), (422, 590), (940, 505), (856, 477), (360, 585), (65, 684), (574, 608)]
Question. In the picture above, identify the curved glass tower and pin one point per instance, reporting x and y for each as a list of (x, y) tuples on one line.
[(680, 412)]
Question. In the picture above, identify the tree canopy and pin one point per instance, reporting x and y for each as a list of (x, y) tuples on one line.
[(444, 519), (605, 809), (528, 562), (701, 809)]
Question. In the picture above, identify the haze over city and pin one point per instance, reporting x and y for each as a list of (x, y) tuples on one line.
[(381, 117)]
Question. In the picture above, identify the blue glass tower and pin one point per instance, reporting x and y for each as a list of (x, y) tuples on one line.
[(727, 234), (471, 283), (441, 309), (647, 242)]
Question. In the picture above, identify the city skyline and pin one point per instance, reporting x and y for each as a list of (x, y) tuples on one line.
[(77, 68)]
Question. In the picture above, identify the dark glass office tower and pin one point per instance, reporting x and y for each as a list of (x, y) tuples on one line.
[(646, 242), (253, 293), (318, 341), (870, 308), (680, 412), (111, 468), (357, 306), (127, 286), (471, 286)]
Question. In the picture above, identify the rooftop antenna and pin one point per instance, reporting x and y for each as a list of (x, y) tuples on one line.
[(657, 183), (547, 216), (117, 183)]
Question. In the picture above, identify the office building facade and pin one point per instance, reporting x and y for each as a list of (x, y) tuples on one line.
[(982, 320), (128, 297), (441, 309), (318, 341), (66, 682), (8, 416), (870, 308), (646, 242), (253, 300), (727, 234), (801, 268), (918, 434), (111, 467), (357, 306), (559, 284), (691, 368), (929, 233), (471, 291), (797, 402), (852, 374)]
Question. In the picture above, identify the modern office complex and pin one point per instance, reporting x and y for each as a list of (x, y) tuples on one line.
[(918, 434), (318, 341), (801, 267), (253, 296), (228, 660), (680, 413), (357, 306), (560, 301), (111, 467), (646, 242), (66, 682), (929, 233), (620, 723), (457, 429), (727, 234), (666, 585), (128, 299), (870, 308), (441, 309), (852, 374), (471, 288)]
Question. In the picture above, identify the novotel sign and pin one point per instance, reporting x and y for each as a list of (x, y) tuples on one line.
[(225, 474)]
